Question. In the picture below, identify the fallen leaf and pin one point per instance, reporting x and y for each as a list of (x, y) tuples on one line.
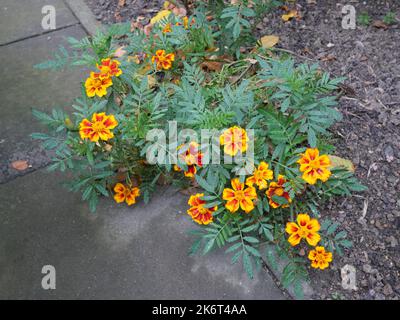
[(292, 14), (340, 162), (121, 3), (211, 65), (269, 41), (329, 57), (380, 25), (20, 165), (108, 147), (151, 81)]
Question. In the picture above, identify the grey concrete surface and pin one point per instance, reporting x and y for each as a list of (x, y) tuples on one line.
[(22, 88), (120, 252), (23, 18)]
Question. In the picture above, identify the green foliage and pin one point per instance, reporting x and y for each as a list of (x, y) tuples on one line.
[(333, 239), (364, 19), (389, 18)]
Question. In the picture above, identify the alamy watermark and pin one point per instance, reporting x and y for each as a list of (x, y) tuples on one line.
[(49, 280), (49, 19)]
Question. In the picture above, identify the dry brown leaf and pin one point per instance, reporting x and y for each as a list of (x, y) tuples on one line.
[(329, 57), (269, 41), (380, 25), (340, 162), (121, 3), (20, 165), (211, 65)]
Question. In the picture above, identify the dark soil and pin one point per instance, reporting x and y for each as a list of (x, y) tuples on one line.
[(369, 134)]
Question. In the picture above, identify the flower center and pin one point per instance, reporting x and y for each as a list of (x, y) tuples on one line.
[(239, 195), (303, 233), (314, 164), (97, 83), (106, 69), (98, 126), (279, 192), (320, 257)]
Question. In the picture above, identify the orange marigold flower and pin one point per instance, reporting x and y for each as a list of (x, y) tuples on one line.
[(198, 212), (192, 157), (305, 228), (260, 176), (234, 140), (320, 258), (109, 68), (314, 166), (95, 85), (126, 193), (167, 28), (239, 196), (163, 60), (277, 189), (99, 128), (185, 21)]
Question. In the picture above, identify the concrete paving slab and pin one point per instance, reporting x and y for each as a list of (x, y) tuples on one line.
[(20, 19), (120, 252), (22, 87)]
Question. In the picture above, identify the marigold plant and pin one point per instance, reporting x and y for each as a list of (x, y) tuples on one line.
[(264, 169)]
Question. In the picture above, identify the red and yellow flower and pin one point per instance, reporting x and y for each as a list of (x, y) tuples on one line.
[(167, 28), (185, 21), (109, 68), (305, 228), (99, 128), (320, 258), (260, 176), (95, 85), (276, 188), (314, 166), (239, 196), (234, 140), (126, 193), (192, 157), (198, 212), (163, 60)]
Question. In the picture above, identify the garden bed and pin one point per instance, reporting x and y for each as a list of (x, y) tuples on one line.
[(369, 134)]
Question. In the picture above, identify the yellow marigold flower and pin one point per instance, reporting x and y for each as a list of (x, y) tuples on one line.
[(185, 21), (198, 212), (95, 85), (125, 193), (305, 228), (234, 140), (320, 258), (238, 196), (192, 157), (277, 189), (160, 16), (314, 166), (109, 68), (167, 28), (162, 60), (99, 128), (260, 176)]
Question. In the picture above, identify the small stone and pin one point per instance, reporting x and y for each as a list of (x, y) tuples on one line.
[(389, 153), (367, 268), (387, 290)]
